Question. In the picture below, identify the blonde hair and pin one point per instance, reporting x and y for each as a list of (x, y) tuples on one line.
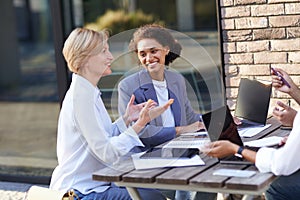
[(81, 44)]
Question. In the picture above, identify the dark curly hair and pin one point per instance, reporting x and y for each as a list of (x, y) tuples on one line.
[(161, 35)]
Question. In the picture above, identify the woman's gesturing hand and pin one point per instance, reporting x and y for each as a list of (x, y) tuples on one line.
[(133, 111), (150, 112)]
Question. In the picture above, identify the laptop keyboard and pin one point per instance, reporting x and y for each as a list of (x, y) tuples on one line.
[(196, 143), (247, 124)]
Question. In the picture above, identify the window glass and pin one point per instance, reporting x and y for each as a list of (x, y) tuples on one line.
[(28, 88)]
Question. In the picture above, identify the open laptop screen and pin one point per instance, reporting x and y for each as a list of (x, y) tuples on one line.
[(220, 125), (253, 100)]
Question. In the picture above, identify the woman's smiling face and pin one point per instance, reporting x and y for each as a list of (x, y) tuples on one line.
[(99, 64), (152, 56)]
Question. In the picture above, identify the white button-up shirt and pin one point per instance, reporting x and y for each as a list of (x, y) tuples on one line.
[(87, 140), (285, 160)]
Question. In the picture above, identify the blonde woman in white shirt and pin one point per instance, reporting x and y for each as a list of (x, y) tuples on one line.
[(87, 139)]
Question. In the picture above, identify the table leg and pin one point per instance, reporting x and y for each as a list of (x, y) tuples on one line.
[(134, 194)]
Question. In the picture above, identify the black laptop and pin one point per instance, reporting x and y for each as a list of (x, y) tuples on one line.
[(220, 126), (252, 103)]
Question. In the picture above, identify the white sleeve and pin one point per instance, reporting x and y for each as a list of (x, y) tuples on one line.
[(282, 161), (106, 147)]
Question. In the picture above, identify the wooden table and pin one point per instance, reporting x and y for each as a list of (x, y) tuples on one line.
[(195, 178)]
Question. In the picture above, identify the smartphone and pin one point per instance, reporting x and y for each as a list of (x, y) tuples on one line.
[(279, 75), (170, 153)]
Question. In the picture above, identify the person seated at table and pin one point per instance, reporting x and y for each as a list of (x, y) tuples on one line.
[(283, 161), (87, 139), (156, 48)]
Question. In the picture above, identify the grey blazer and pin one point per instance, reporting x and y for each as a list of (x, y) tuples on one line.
[(140, 84)]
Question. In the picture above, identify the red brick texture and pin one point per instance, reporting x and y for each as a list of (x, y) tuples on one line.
[(257, 35)]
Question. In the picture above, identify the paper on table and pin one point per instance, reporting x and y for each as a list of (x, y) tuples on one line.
[(264, 142), (251, 131), (234, 173), (140, 163)]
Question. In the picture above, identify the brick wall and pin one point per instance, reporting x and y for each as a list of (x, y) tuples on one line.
[(257, 35)]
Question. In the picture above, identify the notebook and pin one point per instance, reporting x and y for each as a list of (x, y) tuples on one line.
[(220, 126), (253, 102)]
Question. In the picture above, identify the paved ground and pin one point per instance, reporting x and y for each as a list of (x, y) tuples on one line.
[(27, 146), (28, 131), (13, 191)]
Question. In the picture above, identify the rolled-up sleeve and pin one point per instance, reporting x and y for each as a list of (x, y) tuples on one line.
[(264, 159), (119, 126), (126, 140), (282, 161), (106, 145)]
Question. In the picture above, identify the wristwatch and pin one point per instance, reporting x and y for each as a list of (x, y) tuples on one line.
[(239, 152)]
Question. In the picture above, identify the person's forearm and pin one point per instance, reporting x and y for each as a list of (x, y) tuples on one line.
[(178, 130), (126, 120), (138, 126), (196, 126), (249, 155), (182, 129), (295, 94), (246, 153)]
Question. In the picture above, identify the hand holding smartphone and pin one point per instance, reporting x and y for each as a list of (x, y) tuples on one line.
[(281, 77)]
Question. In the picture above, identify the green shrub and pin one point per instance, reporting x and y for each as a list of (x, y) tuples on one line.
[(118, 21)]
